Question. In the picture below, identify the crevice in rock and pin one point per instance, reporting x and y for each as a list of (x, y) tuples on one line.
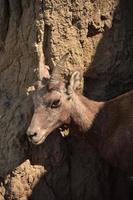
[(47, 45), (4, 20), (15, 10), (93, 29)]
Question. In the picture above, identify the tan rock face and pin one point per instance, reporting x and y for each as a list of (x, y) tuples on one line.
[(34, 35), (17, 64)]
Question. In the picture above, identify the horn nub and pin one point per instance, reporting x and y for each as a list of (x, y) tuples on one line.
[(57, 73)]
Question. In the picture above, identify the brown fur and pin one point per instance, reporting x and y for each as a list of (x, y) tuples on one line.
[(110, 128), (109, 125)]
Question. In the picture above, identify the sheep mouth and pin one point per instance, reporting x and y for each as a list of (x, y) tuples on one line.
[(40, 141), (64, 130)]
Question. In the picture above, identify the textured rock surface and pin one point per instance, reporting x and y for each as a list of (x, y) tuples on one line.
[(34, 35)]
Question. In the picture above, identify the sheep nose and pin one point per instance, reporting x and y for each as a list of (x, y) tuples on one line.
[(31, 134)]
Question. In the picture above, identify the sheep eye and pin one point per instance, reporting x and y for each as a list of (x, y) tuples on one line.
[(56, 103)]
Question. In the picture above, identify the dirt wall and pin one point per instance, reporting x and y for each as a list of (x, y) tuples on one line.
[(34, 35)]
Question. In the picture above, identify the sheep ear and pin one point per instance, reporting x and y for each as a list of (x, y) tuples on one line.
[(75, 81)]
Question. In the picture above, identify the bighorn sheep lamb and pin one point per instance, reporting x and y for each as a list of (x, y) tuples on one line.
[(109, 125)]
